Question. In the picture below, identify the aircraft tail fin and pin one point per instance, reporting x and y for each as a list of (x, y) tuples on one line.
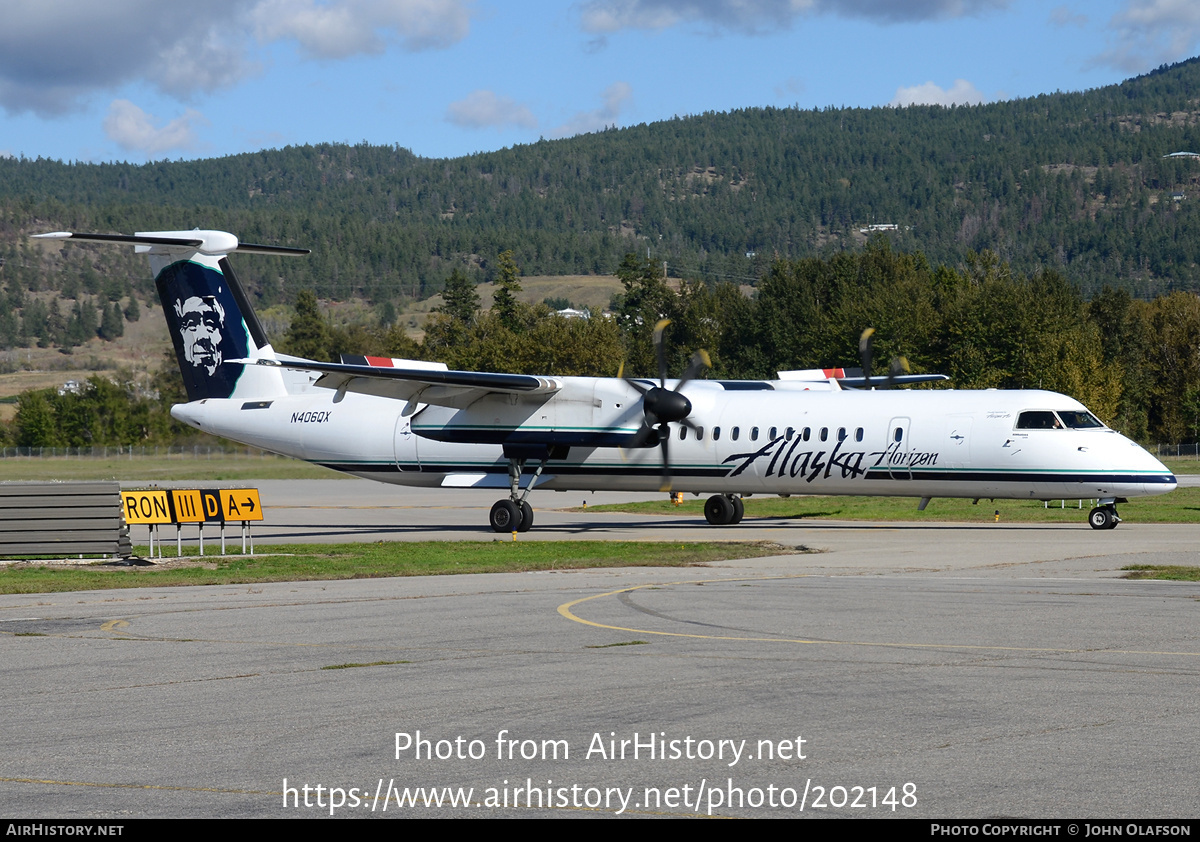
[(209, 316)]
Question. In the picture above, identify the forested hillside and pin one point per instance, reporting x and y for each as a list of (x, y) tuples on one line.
[(1047, 242), (1073, 182)]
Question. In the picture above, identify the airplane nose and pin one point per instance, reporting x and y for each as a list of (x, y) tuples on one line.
[(1163, 484)]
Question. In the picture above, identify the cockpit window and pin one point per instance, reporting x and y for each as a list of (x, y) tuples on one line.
[(1038, 419), (1078, 420)]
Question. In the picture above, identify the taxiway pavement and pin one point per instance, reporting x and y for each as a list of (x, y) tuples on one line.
[(963, 670)]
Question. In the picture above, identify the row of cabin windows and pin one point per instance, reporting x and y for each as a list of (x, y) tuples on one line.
[(773, 433)]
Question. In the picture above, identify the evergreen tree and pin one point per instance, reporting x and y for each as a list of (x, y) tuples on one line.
[(308, 335), (112, 324), (508, 284), (133, 312), (459, 299), (56, 326)]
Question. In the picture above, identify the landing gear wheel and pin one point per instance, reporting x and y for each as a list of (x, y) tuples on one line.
[(526, 517), (718, 510), (739, 509), (506, 517), (1103, 517)]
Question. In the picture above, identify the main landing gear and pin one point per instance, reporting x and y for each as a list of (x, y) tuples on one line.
[(723, 509), (515, 514), (1104, 516), (511, 516)]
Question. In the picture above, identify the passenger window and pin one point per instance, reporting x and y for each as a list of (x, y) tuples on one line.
[(716, 433), (898, 434), (682, 432), (824, 434), (841, 433), (858, 434), (807, 434), (773, 433), (699, 434), (734, 433), (788, 435), (754, 434)]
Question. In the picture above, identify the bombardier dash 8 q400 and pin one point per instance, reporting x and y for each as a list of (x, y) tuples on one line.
[(416, 423)]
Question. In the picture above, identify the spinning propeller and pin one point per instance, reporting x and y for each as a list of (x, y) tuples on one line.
[(896, 371), (662, 406)]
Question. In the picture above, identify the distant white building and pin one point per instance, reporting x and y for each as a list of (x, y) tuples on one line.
[(569, 313)]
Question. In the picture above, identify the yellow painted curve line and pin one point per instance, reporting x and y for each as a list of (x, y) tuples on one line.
[(565, 611)]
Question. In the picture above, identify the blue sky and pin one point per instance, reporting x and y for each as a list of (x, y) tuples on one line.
[(142, 80)]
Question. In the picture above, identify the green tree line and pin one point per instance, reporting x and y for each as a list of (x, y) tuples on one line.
[(1076, 183)]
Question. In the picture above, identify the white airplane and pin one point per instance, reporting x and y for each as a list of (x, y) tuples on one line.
[(417, 423)]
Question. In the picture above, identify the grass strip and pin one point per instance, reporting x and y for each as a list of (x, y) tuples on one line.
[(1180, 506), (1178, 573), (305, 562), (186, 468)]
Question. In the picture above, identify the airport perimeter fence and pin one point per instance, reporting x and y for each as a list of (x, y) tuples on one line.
[(1182, 451), (117, 452)]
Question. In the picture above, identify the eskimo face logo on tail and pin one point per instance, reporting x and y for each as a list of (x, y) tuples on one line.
[(201, 320), (206, 327)]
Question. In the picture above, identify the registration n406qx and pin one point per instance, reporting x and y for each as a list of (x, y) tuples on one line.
[(416, 423)]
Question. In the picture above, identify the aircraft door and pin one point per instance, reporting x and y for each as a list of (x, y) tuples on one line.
[(405, 443), (898, 448)]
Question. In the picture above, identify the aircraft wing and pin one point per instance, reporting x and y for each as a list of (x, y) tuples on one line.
[(853, 378), (458, 389)]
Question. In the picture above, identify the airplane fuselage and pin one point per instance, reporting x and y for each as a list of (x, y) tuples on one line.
[(756, 437), (418, 423)]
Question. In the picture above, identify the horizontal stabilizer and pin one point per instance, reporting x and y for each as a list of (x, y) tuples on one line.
[(205, 242)]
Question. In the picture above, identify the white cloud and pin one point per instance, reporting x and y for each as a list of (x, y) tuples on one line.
[(1064, 16), (792, 86), (482, 109), (615, 96), (204, 64), (134, 130), (961, 92), (754, 16), (1148, 33), (349, 27), (54, 53)]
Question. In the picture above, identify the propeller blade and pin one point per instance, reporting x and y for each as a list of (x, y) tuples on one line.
[(864, 354), (664, 439), (898, 367), (661, 351), (642, 388), (700, 362)]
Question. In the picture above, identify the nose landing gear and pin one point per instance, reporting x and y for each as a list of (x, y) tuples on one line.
[(1104, 516)]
